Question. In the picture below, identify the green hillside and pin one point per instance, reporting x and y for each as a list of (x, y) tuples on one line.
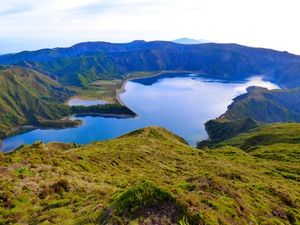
[(86, 62), (28, 96), (79, 71), (263, 142), (149, 176), (257, 107), (221, 129), (266, 106)]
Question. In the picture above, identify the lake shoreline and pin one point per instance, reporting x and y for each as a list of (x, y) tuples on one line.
[(115, 98), (109, 115), (59, 124), (16, 131), (78, 97), (124, 82), (201, 87), (26, 128)]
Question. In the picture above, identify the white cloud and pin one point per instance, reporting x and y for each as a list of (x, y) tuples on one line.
[(267, 23)]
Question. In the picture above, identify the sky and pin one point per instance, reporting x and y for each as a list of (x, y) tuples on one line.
[(35, 24)]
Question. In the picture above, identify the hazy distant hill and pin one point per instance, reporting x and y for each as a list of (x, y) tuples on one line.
[(189, 41), (86, 62)]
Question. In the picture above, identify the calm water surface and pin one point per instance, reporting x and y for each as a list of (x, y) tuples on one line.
[(182, 103), (85, 102)]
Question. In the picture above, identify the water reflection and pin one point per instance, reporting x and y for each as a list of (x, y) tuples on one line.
[(85, 102), (180, 104)]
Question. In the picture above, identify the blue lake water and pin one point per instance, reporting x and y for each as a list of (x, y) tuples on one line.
[(85, 102), (181, 103)]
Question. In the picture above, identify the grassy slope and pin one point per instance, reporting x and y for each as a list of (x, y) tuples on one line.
[(79, 71), (104, 182), (109, 90), (221, 129), (266, 106), (27, 96), (260, 105), (263, 142)]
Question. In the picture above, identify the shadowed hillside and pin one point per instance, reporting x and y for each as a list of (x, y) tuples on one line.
[(28, 96)]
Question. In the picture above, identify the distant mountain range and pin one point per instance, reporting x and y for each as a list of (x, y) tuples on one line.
[(189, 41), (85, 62), (151, 176)]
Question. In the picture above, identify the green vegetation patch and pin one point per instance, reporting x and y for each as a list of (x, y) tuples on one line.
[(267, 135), (147, 202), (222, 129), (146, 171)]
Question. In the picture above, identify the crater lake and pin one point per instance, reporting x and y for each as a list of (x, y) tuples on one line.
[(181, 103)]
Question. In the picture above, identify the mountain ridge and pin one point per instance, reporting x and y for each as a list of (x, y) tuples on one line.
[(266, 106), (257, 107), (87, 62), (30, 98), (189, 41), (27, 96)]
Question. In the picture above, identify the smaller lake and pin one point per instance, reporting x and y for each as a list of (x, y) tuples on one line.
[(85, 102), (181, 103)]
